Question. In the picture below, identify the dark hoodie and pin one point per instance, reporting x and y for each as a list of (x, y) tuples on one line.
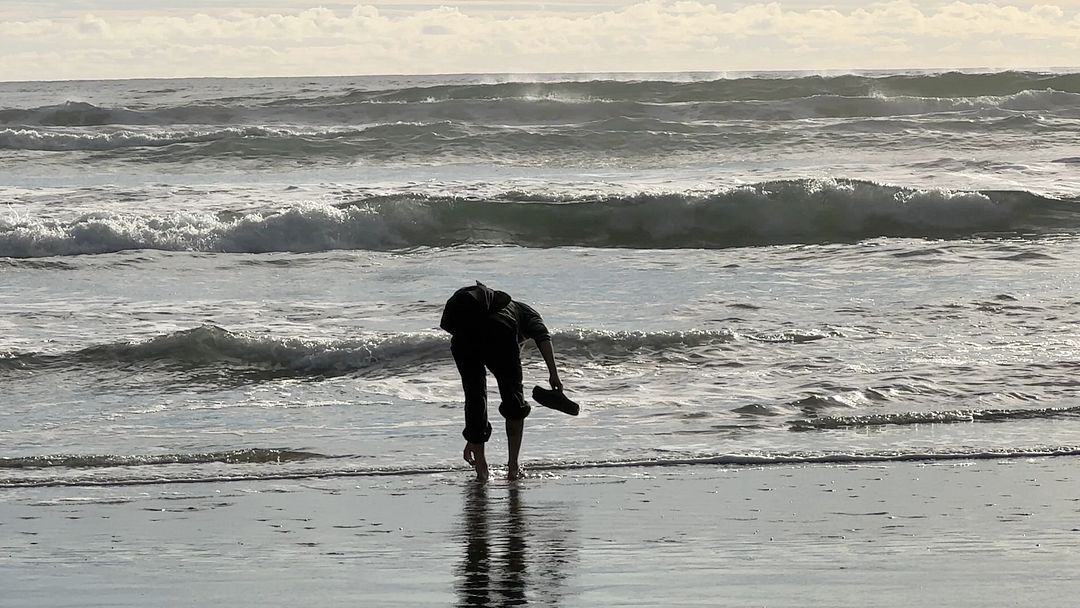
[(470, 310)]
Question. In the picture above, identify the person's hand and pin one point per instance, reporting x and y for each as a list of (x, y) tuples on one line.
[(556, 384), (473, 452)]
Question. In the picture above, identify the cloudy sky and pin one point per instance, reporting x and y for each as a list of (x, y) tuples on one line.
[(66, 39)]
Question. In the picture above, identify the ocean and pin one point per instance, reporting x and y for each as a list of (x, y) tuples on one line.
[(214, 279)]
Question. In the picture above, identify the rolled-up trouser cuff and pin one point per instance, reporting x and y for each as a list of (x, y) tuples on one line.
[(472, 436), (511, 411)]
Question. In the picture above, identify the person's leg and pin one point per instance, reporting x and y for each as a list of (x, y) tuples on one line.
[(503, 358), (470, 365), (515, 431)]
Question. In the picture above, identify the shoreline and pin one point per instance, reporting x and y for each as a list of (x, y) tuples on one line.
[(549, 469), (978, 532)]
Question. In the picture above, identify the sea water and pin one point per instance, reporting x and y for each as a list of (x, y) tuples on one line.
[(242, 279)]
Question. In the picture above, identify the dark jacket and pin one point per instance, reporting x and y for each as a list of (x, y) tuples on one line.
[(471, 310)]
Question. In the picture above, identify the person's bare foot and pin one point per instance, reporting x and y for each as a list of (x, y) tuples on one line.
[(481, 469), (514, 473), (474, 455)]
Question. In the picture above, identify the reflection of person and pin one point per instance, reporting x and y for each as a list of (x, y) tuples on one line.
[(526, 551), (488, 329), (474, 580), (488, 579)]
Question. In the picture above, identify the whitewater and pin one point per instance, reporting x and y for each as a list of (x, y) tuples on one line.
[(216, 279)]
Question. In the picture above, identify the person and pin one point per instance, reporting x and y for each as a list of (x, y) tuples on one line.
[(487, 329)]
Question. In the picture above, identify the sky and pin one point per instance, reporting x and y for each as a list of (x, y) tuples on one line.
[(92, 39)]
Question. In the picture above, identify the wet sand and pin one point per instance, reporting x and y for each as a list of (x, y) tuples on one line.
[(979, 533)]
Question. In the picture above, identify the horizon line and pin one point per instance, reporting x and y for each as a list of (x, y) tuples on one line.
[(800, 71)]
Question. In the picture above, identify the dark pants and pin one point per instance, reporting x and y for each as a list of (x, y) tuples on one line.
[(496, 350)]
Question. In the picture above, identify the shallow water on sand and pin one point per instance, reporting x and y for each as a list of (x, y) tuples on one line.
[(894, 534), (210, 365)]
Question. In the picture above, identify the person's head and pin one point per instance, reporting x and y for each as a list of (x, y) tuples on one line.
[(469, 307)]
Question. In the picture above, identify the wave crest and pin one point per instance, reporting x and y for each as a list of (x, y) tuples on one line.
[(568, 100), (213, 345), (784, 212), (210, 345)]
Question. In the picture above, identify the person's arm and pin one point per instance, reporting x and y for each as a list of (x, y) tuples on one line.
[(533, 326), (548, 353)]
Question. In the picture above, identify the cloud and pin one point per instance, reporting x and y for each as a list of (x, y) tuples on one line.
[(643, 36)]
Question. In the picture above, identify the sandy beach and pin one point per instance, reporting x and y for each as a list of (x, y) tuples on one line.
[(969, 533)]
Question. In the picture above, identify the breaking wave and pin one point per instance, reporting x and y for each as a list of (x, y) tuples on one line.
[(560, 121), (783, 212), (113, 139), (701, 87), (619, 135), (573, 100), (210, 345)]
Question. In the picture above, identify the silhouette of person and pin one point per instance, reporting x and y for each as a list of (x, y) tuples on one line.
[(488, 328)]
